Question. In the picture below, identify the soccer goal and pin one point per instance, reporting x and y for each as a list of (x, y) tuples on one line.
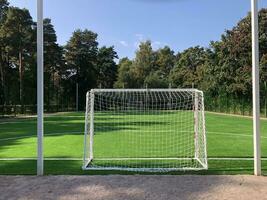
[(145, 130)]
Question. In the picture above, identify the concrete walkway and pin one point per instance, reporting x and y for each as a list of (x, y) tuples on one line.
[(133, 187)]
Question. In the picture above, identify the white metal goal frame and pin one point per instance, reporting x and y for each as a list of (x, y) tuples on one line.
[(188, 106), (255, 87)]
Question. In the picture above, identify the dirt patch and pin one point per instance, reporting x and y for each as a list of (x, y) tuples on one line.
[(133, 187)]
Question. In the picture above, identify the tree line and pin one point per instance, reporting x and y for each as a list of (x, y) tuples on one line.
[(222, 70), (81, 61)]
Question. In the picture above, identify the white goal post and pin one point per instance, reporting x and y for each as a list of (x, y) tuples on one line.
[(145, 130)]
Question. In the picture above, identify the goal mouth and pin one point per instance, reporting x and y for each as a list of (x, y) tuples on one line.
[(153, 130), (146, 164)]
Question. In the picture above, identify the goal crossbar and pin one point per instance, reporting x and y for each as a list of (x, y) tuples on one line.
[(144, 90)]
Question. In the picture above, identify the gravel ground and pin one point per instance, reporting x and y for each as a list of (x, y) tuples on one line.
[(133, 187)]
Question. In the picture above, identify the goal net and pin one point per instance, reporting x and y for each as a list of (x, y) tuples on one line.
[(145, 130)]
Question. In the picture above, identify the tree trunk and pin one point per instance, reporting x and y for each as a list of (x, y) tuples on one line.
[(2, 79), (21, 74), (53, 86), (6, 86), (48, 91)]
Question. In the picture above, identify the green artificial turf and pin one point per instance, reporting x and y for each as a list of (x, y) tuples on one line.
[(227, 137)]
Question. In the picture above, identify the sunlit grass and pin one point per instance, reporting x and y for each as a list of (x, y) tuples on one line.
[(227, 136)]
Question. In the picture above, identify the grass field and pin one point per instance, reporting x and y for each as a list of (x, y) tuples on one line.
[(151, 139), (229, 145)]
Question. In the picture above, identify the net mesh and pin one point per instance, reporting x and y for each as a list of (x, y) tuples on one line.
[(145, 130)]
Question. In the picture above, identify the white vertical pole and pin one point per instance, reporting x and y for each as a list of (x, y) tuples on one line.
[(92, 102), (196, 125), (202, 110), (86, 150), (40, 92), (255, 86)]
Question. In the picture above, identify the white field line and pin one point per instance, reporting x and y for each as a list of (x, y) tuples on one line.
[(20, 122), (235, 159), (14, 159), (234, 115), (234, 134), (80, 159), (75, 116), (46, 134), (28, 121)]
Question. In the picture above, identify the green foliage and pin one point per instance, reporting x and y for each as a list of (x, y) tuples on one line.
[(3, 8), (16, 30), (165, 60), (187, 68), (54, 63), (143, 63), (231, 66), (106, 67), (149, 68), (16, 37), (125, 74), (81, 59), (222, 71), (156, 80)]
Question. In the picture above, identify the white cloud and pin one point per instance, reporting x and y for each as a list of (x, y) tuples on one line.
[(140, 38), (124, 43), (157, 45)]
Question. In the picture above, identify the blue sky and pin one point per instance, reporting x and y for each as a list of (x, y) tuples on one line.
[(124, 23)]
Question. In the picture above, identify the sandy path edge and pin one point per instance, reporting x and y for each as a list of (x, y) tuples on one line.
[(134, 187)]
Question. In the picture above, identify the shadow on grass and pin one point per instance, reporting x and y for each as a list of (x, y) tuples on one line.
[(74, 167), (101, 127), (65, 127)]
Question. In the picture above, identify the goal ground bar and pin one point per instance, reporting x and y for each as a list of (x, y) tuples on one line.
[(143, 169), (87, 166)]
